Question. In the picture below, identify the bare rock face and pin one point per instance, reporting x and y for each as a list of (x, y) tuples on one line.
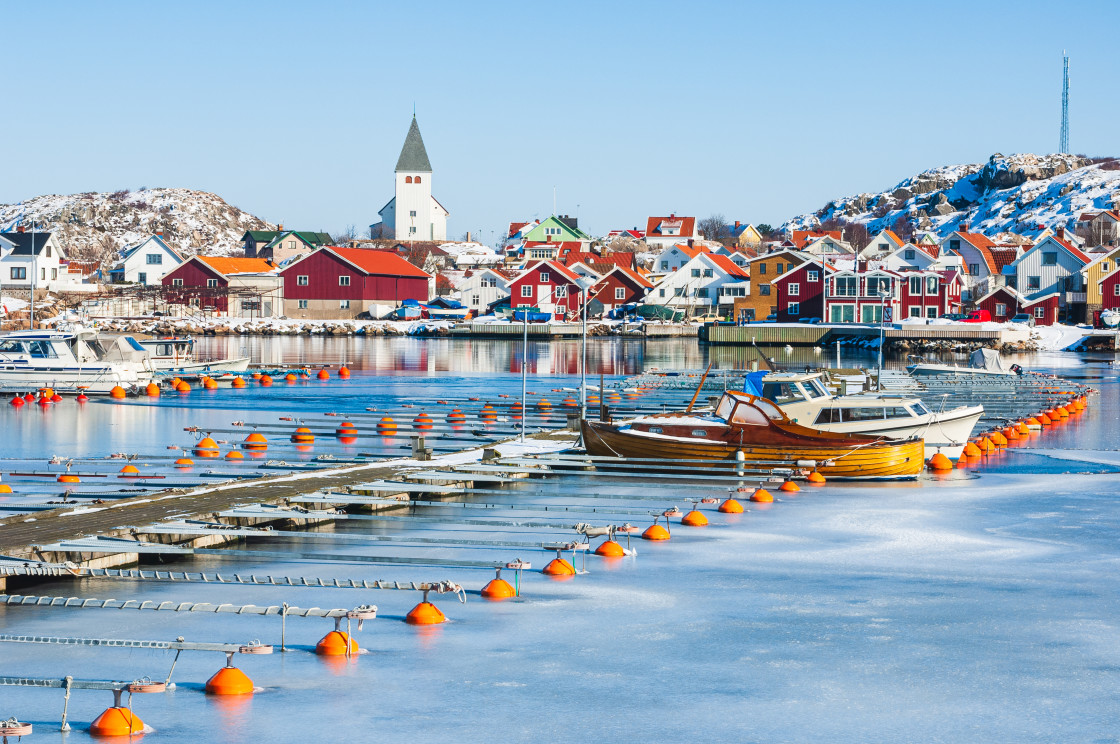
[(1008, 172)]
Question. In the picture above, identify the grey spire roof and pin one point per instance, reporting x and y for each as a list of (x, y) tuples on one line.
[(414, 157)]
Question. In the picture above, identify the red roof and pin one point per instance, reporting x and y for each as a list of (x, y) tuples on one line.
[(385, 263), (614, 258), (801, 238), (637, 278), (1090, 216), (729, 266), (1072, 249), (686, 225), (515, 227), (890, 234), (556, 266)]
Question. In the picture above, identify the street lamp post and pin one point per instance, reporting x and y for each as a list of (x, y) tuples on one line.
[(883, 295), (585, 284)]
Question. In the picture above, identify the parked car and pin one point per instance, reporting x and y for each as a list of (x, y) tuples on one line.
[(707, 318), (813, 321), (978, 316), (1023, 318), (952, 316), (772, 318)]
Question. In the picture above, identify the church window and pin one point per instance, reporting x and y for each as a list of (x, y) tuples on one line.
[(412, 213), (408, 179), (412, 230), (416, 180)]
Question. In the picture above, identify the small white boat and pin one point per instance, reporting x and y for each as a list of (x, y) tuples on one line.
[(980, 362), (807, 400), (176, 356), (74, 360), (1110, 318)]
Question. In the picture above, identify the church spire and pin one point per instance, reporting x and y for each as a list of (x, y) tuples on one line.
[(414, 158)]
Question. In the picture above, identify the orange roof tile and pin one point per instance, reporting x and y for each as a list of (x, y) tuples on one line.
[(227, 265), (729, 266)]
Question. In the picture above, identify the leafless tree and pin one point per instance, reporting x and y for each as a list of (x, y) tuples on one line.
[(715, 228), (856, 233), (380, 231), (903, 228)]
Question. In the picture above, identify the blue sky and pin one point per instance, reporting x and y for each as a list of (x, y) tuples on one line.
[(297, 111)]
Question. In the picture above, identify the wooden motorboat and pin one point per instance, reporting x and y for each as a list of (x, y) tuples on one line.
[(762, 433)]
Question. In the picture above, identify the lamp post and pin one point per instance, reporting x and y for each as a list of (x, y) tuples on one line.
[(883, 295), (585, 284)]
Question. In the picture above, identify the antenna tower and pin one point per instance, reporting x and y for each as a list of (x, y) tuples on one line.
[(1063, 143)]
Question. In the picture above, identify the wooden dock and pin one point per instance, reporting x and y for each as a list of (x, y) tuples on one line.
[(820, 334)]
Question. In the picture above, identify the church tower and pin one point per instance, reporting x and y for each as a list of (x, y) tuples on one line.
[(414, 213)]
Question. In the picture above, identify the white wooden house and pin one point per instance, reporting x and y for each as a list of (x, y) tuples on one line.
[(1052, 265), (697, 287), (908, 257), (482, 289), (146, 263), (884, 243), (673, 258), (33, 259)]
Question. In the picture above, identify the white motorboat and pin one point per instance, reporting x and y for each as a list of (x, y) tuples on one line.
[(807, 400), (980, 362), (176, 356), (74, 360)]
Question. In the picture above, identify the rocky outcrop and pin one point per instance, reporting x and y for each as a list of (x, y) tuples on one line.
[(1008, 172)]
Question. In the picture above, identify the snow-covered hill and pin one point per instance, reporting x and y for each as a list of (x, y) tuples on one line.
[(95, 225), (1017, 193)]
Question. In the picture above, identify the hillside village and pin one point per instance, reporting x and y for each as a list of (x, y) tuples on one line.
[(1032, 238)]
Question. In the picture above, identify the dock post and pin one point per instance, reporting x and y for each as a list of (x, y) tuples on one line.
[(66, 703), (283, 626)]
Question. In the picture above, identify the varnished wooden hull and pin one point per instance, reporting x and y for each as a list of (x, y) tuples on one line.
[(881, 460)]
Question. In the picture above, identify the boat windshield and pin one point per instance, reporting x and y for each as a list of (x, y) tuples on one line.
[(781, 392), (814, 389), (747, 415), (12, 347), (42, 350), (723, 410), (919, 408)]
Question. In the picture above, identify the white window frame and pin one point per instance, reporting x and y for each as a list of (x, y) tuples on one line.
[(345, 277), (176, 282), (812, 276), (211, 283), (301, 304), (560, 291), (344, 304), (620, 293), (793, 308), (794, 289), (1040, 312), (526, 290), (302, 280)]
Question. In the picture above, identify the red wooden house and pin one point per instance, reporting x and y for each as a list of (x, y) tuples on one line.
[(207, 282), (1003, 303), (620, 286), (1110, 291), (930, 293), (337, 282), (548, 285), (799, 292)]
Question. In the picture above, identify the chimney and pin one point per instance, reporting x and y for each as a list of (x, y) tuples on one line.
[(280, 227), (1061, 233), (468, 236), (21, 228), (736, 224), (964, 227), (690, 242)]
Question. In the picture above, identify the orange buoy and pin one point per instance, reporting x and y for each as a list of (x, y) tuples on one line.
[(335, 644), (815, 477), (1071, 409), (234, 455), (5, 488), (56, 398), (456, 415), (255, 441), (569, 402), (17, 401), (206, 447), (498, 588), (1033, 423), (81, 398), (1044, 419), (290, 378), (559, 567), (425, 613), (971, 450), (1010, 433), (28, 398), (238, 382), (117, 392), (67, 478), (257, 375), (962, 461), (423, 421), (694, 518), (731, 506), (183, 387), (655, 532), (610, 549), (303, 435), (117, 721), (344, 372), (940, 462), (789, 487), (386, 425), (998, 439), (488, 412), (129, 470), (184, 462), (544, 403), (762, 496), (229, 680), (987, 445), (1059, 410), (266, 381), (210, 384), (152, 390), (346, 429), (323, 375)]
